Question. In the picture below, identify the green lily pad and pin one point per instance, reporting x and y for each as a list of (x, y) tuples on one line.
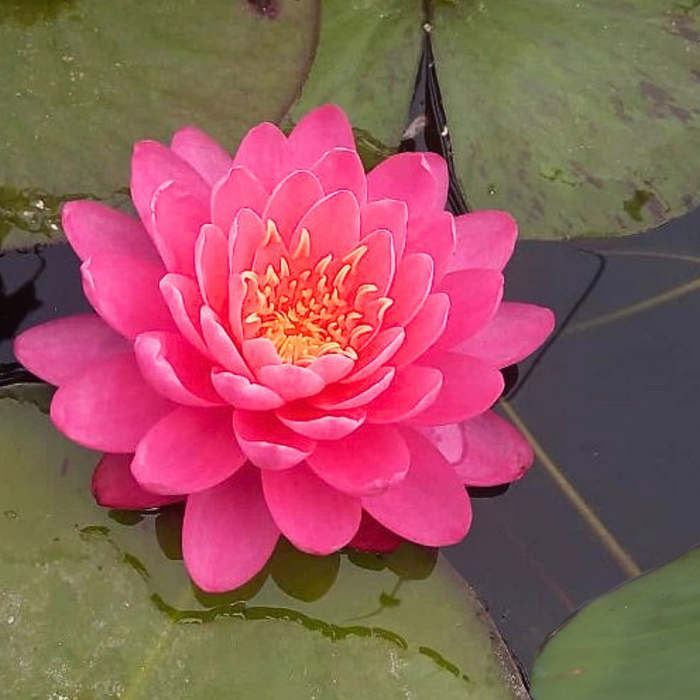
[(582, 118), (366, 62), (82, 80), (96, 603), (641, 641)]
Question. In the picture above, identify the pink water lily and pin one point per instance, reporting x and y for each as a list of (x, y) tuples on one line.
[(288, 344)]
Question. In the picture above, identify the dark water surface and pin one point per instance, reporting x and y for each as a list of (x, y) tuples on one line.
[(612, 402)]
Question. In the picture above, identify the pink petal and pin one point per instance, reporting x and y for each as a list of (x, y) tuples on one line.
[(378, 264), (475, 296), (515, 331), (469, 388), (93, 228), (313, 516), (377, 353), (259, 352), (125, 293), (61, 349), (177, 217), (228, 533), (410, 289), (424, 330), (436, 237), (269, 444), (291, 382), (237, 290), (182, 298), (332, 367), (246, 235), (341, 169), (211, 265), (109, 406), (319, 425), (175, 369), (414, 389), (240, 189), (373, 537), (113, 486), (240, 392), (222, 348), (430, 506), (319, 131), (340, 397), (368, 461), (419, 179), (292, 198), (485, 239), (333, 224), (154, 164), (189, 450), (449, 439), (496, 452), (387, 215), (204, 154), (263, 151)]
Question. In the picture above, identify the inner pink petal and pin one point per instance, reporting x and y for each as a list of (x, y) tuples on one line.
[(320, 425), (240, 392), (378, 264), (377, 353), (388, 215), (344, 396), (184, 302), (222, 349), (424, 330), (239, 190), (342, 169), (411, 286), (211, 265), (291, 382)]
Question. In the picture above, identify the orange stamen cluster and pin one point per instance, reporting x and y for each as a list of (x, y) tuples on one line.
[(311, 313)]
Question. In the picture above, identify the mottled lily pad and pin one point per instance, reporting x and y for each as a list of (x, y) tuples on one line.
[(82, 80), (580, 117), (641, 640), (96, 604)]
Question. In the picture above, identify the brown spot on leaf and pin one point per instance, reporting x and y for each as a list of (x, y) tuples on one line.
[(663, 103), (267, 8)]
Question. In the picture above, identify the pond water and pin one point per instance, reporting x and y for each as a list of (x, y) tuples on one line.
[(611, 404)]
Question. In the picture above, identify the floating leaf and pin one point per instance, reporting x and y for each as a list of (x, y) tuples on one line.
[(579, 117), (97, 604), (641, 641), (81, 81)]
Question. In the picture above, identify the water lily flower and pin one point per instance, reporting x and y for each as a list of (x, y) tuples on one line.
[(285, 343)]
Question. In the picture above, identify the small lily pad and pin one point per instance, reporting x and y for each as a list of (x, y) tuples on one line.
[(96, 603), (83, 80)]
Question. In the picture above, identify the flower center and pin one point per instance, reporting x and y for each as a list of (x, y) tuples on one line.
[(314, 311)]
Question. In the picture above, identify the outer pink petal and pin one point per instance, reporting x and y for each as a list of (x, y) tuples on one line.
[(449, 439), (204, 154), (189, 450), (419, 179), (312, 515), (175, 369), (211, 265), (228, 533), (240, 392), (319, 425), (113, 486), (388, 215), (125, 293), (291, 382), (368, 461), (92, 228), (222, 348), (424, 330), (61, 349), (177, 217), (410, 289), (319, 131), (485, 239), (154, 164), (469, 388), (373, 537), (269, 444), (109, 406), (292, 198), (496, 452), (333, 224), (412, 391), (182, 297), (240, 189), (430, 506), (263, 151), (342, 169), (474, 299), (340, 397), (436, 237), (511, 335)]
